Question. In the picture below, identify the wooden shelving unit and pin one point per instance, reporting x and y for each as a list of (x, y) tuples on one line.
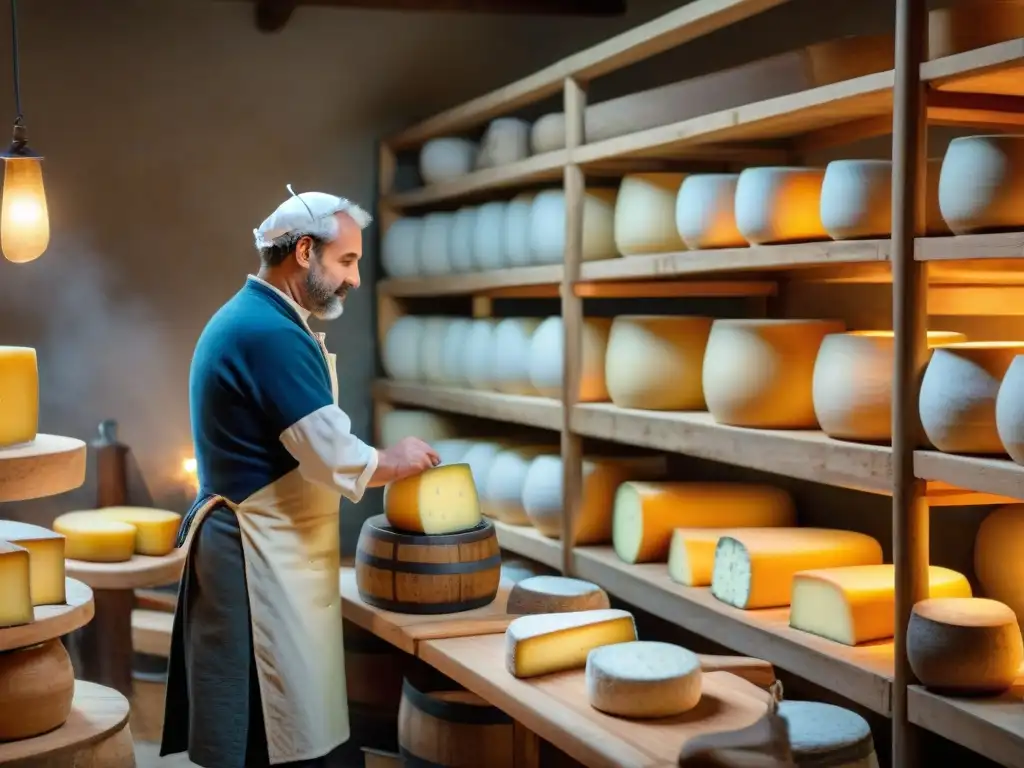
[(978, 88)]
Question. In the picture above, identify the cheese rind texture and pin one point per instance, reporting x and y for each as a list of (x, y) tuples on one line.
[(646, 513), (156, 530), (826, 735), (501, 495), (754, 568), (46, 559), (554, 642), (691, 555), (857, 604), (440, 500), (546, 359), (93, 539), (15, 586), (555, 594), (705, 212), (19, 395), (779, 205), (643, 679), (981, 185), (645, 214)]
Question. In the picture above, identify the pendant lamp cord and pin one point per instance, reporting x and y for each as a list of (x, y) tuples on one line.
[(16, 63)]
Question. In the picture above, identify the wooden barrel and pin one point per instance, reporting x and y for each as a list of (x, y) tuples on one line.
[(453, 729), (416, 573), (374, 671)]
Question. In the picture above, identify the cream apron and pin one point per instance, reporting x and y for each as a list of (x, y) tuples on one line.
[(292, 551)]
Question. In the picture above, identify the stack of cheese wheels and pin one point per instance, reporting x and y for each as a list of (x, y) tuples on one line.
[(706, 211), (852, 385), (461, 239), (760, 373), (446, 158), (656, 362), (435, 243), (645, 214), (506, 140), (426, 425), (547, 226), (958, 395), (546, 359), (489, 236), (510, 355), (997, 554), (827, 736), (501, 495), (19, 396), (779, 205), (981, 188), (400, 254), (116, 534), (646, 514), (517, 230)]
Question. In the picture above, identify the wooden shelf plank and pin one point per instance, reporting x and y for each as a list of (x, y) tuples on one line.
[(1001, 477), (995, 69), (862, 674), (992, 727), (472, 283), (513, 409), (1003, 245), (526, 541)]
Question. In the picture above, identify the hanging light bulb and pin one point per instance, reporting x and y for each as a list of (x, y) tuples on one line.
[(24, 218)]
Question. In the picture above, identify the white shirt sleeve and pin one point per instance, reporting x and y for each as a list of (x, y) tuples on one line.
[(329, 454)]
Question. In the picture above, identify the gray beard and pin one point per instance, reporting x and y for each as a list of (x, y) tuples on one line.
[(325, 304)]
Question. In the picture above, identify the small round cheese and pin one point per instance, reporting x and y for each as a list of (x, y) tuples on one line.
[(643, 679), (489, 236), (779, 205), (517, 230), (964, 645), (546, 360), (476, 355), (401, 354), (446, 158), (547, 134), (432, 348), (555, 594), (453, 372), (435, 241), (510, 355), (547, 226), (826, 735), (705, 211), (645, 214), (506, 140), (460, 246), (425, 425), (997, 561), (981, 188), (400, 247)]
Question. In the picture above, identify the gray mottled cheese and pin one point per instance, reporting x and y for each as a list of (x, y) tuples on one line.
[(555, 594), (643, 679), (554, 642), (827, 736)]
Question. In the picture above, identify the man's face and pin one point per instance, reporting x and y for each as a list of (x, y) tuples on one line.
[(333, 270)]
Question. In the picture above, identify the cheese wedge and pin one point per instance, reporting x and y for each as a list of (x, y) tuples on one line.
[(643, 679), (691, 555), (440, 500), (94, 539), (754, 568), (554, 642), (156, 530), (19, 395), (857, 604), (555, 594), (15, 586), (645, 514), (46, 559)]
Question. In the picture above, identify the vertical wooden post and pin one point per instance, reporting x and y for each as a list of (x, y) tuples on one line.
[(910, 322), (388, 308), (111, 467), (574, 102)]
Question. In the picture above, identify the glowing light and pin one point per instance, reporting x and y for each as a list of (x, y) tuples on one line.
[(24, 218)]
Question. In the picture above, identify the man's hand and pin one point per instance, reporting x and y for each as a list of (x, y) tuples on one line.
[(409, 456)]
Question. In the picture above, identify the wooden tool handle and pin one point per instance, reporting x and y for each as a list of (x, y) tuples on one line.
[(756, 671), (765, 744)]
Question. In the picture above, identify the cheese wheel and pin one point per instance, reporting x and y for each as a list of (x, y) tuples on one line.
[(981, 187), (542, 493), (38, 689), (481, 456), (827, 736), (460, 244), (547, 226), (964, 645), (643, 679), (779, 205), (645, 214), (452, 451), (446, 158), (399, 251), (19, 395), (691, 555), (510, 355), (432, 348), (1010, 410), (489, 236), (645, 514), (15, 586), (476, 356), (400, 357), (506, 140), (997, 556), (435, 242), (439, 501), (754, 567), (958, 395), (156, 530), (93, 539), (852, 384), (968, 24), (556, 642), (502, 493), (705, 211), (546, 359), (517, 230), (857, 604), (760, 373), (656, 362), (452, 370), (555, 594), (515, 569), (46, 559), (402, 423)]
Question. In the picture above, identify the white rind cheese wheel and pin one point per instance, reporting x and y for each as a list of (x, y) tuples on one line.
[(510, 355), (402, 343), (981, 188), (502, 493), (425, 425), (481, 456), (489, 236), (517, 230), (643, 679), (964, 646), (857, 604), (506, 140), (547, 134), (779, 205), (542, 493), (555, 594), (432, 348), (706, 211), (852, 386), (691, 555), (46, 554), (38, 690), (476, 356), (958, 395), (556, 642), (446, 158), (546, 359), (827, 736), (754, 567), (453, 372), (547, 226), (435, 240), (760, 373), (646, 513), (460, 245), (656, 362), (1010, 410), (19, 395), (645, 214), (400, 247), (452, 451), (997, 560)]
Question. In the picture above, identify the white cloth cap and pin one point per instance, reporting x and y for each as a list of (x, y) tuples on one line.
[(311, 213)]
